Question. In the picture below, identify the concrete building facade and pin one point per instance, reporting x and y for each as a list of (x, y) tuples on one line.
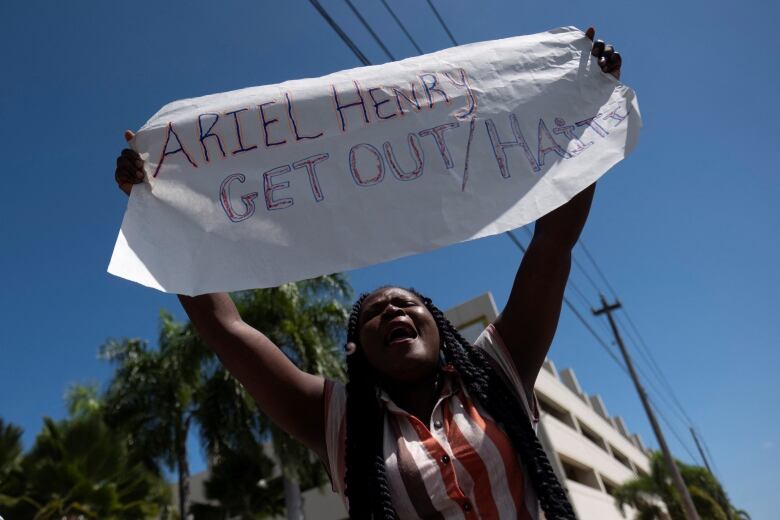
[(591, 451)]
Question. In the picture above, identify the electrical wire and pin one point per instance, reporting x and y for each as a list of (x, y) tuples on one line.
[(576, 313), (401, 25), (441, 21), (651, 361), (671, 428), (640, 344), (598, 270), (585, 273), (709, 456), (369, 29), (662, 375), (346, 39)]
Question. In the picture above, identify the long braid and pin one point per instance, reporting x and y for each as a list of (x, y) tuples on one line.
[(491, 392), (367, 487), (366, 478)]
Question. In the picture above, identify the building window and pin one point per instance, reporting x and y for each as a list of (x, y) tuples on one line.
[(546, 405), (621, 458), (594, 437), (579, 473), (609, 487)]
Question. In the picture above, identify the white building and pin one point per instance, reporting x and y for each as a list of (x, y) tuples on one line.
[(590, 451)]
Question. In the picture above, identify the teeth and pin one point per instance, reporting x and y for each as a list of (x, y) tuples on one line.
[(400, 333)]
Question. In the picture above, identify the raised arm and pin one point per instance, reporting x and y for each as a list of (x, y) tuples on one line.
[(530, 318), (291, 397)]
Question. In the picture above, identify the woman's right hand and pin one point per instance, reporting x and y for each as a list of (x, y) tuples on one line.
[(129, 167)]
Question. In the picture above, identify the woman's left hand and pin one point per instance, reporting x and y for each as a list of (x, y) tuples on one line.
[(609, 59)]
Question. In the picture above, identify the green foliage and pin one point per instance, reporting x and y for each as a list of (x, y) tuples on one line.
[(80, 467), (644, 493), (241, 483), (104, 461), (152, 396), (10, 449), (157, 395), (306, 320), (11, 476), (83, 400)]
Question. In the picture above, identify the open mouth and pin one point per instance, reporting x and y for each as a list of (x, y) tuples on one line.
[(400, 333)]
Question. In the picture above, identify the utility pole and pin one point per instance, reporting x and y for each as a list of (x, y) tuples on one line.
[(721, 500), (701, 452), (687, 502)]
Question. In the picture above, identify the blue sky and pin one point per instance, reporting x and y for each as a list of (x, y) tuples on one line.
[(685, 229)]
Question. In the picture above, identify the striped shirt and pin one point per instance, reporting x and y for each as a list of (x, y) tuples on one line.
[(460, 465)]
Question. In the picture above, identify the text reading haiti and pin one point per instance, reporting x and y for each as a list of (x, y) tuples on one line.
[(284, 122)]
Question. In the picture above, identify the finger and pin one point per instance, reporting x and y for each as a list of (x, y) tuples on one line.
[(126, 172), (129, 135), (130, 163), (606, 55), (598, 48), (126, 187), (122, 176), (131, 154), (132, 158), (590, 33), (614, 63), (123, 184)]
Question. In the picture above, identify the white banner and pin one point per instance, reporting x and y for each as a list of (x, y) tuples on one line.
[(266, 185)]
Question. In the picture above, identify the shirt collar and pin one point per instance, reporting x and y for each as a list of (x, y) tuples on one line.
[(449, 379)]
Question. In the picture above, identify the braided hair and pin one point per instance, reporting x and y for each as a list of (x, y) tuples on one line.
[(367, 487)]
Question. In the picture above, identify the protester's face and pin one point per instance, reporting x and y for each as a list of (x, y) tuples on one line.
[(398, 335)]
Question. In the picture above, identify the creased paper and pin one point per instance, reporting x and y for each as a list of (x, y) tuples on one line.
[(266, 185)]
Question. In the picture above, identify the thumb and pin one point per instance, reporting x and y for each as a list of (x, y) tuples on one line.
[(129, 135), (590, 33)]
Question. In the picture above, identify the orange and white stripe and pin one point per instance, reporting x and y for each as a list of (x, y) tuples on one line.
[(460, 466)]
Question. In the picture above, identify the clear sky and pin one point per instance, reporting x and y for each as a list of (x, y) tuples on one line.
[(685, 229)]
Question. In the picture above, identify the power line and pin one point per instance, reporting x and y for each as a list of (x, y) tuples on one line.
[(369, 29), (653, 362), (709, 455), (570, 282), (642, 353), (585, 273), (660, 394), (577, 290), (401, 25), (573, 309), (674, 432), (363, 59), (689, 508), (598, 270), (346, 39), (441, 21), (641, 345)]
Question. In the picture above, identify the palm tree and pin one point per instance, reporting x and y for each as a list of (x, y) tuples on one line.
[(11, 478), (79, 467), (152, 396), (646, 493), (157, 396), (10, 447), (306, 320)]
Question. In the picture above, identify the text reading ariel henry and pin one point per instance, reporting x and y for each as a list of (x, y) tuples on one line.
[(281, 122)]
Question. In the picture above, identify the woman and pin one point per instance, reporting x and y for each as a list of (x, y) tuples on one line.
[(428, 425)]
